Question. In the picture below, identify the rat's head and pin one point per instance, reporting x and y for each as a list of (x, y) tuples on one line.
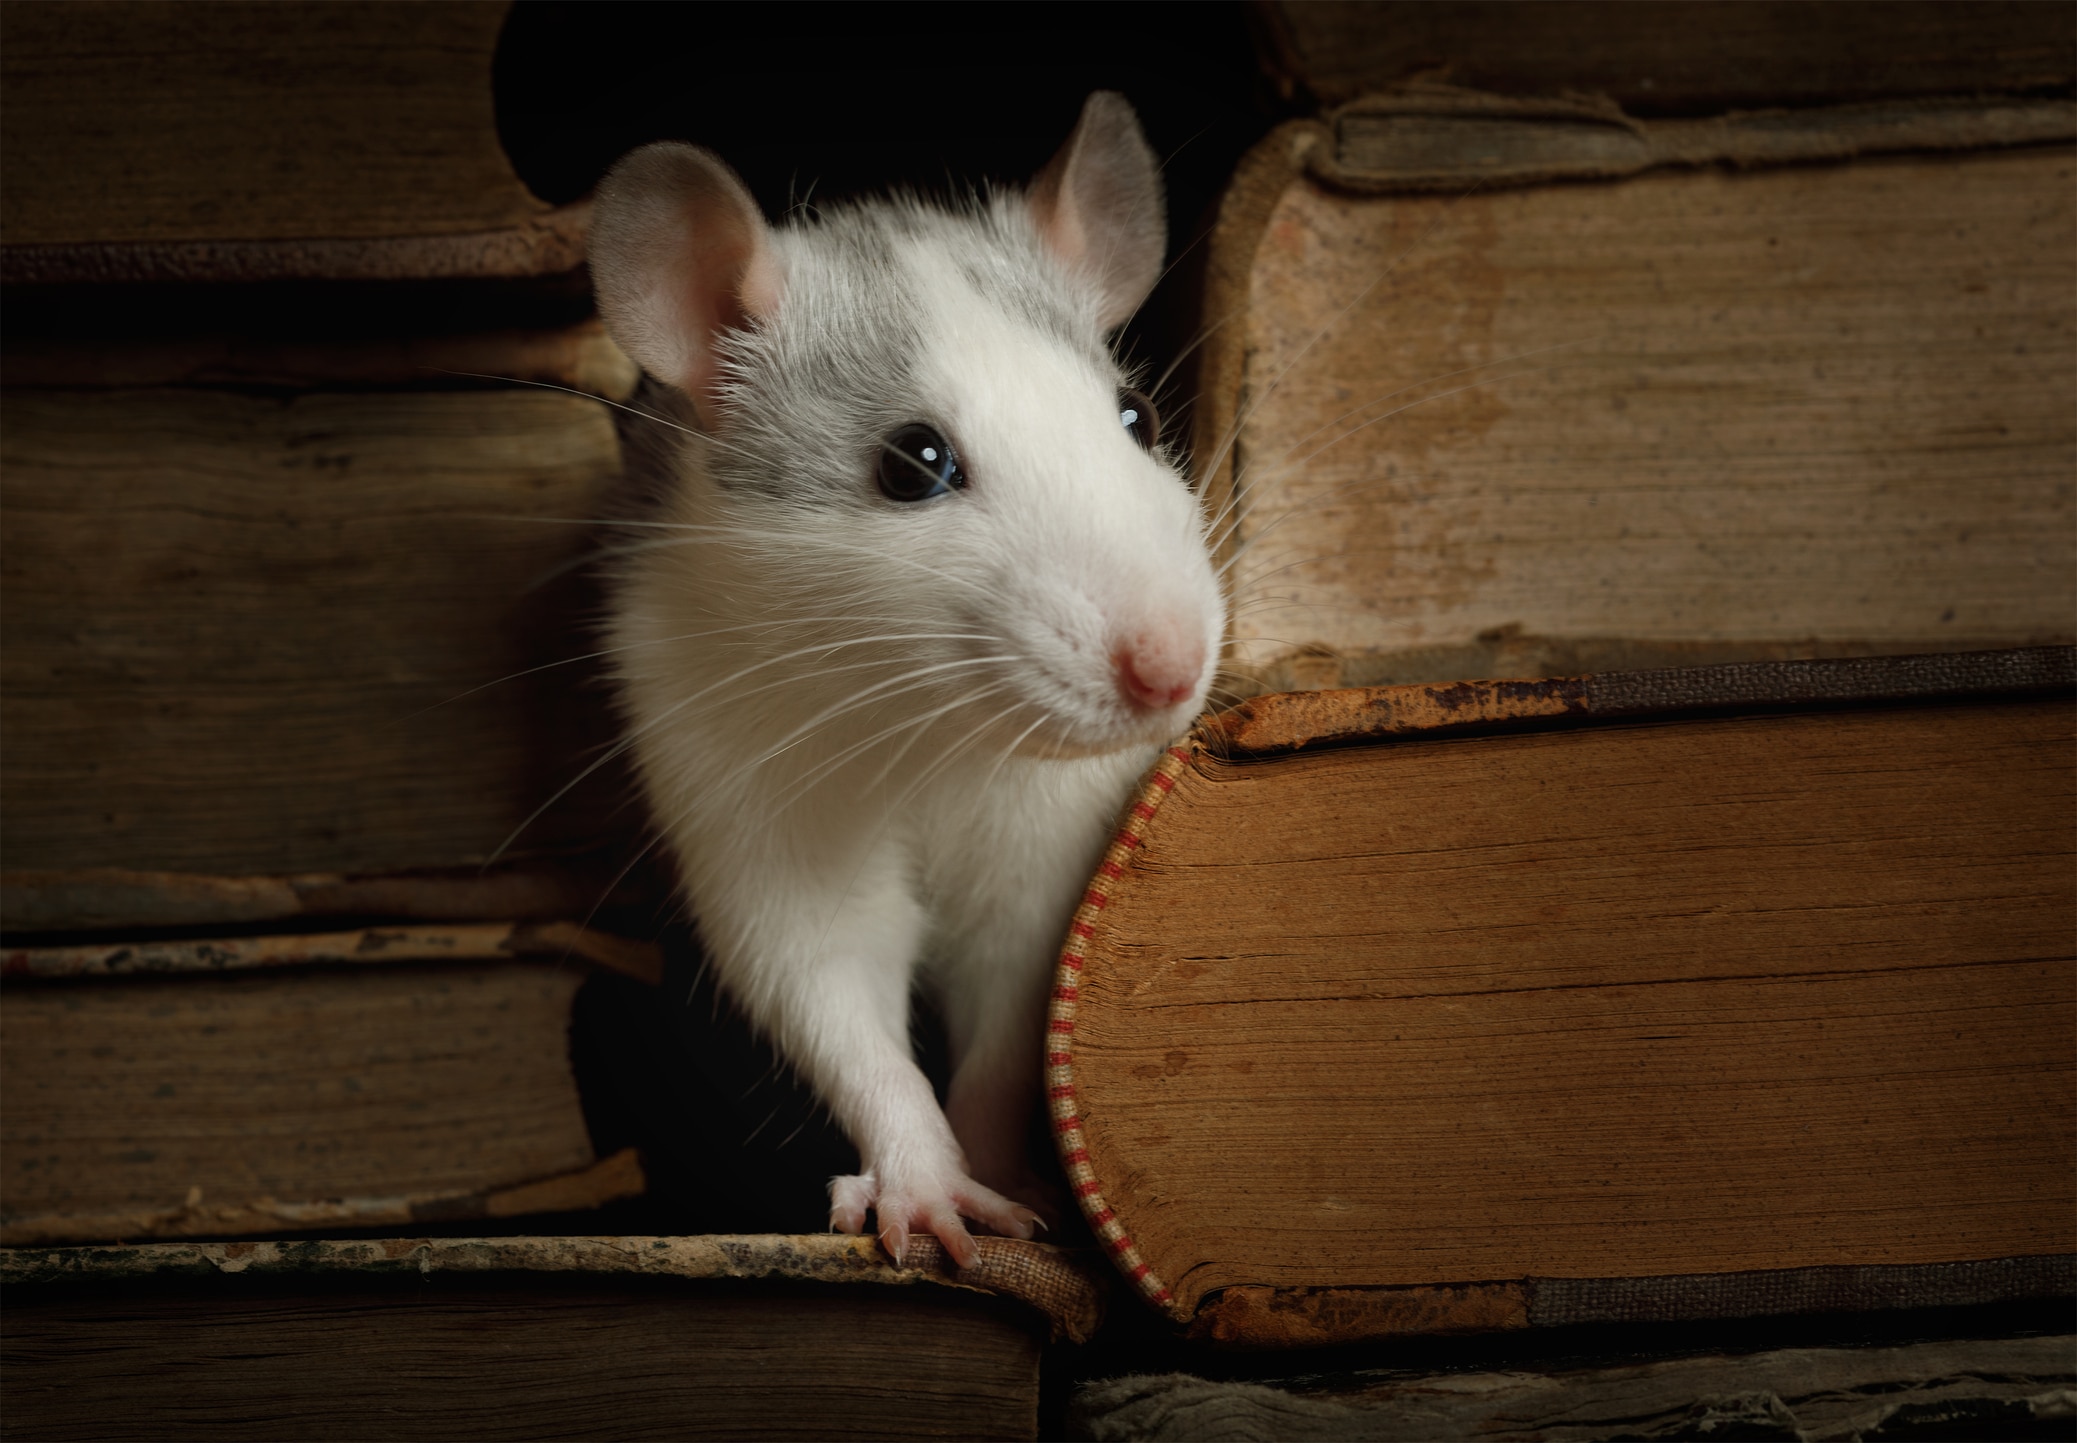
[(914, 421)]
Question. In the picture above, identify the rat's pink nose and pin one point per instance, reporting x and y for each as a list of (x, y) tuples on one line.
[(1159, 667)]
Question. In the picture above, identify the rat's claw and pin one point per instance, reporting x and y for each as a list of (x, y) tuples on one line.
[(849, 1197), (939, 1219), (985, 1205), (900, 1217), (959, 1243), (933, 1206)]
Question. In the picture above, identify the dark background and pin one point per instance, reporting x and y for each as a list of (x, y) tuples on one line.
[(843, 99)]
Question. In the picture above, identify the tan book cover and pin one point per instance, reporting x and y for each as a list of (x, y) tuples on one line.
[(255, 637), (526, 1337), (1513, 387), (255, 1085), (1665, 994), (249, 141)]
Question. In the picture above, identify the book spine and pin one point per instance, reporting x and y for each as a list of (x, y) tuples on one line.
[(1060, 1035)]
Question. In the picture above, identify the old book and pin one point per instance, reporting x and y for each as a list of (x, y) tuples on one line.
[(578, 357), (1506, 387), (1678, 57), (299, 1083), (1692, 993), (624, 1337), (2015, 1387), (240, 141), (273, 645)]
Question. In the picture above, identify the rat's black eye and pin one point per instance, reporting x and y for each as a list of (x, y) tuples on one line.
[(916, 463), (1137, 415)]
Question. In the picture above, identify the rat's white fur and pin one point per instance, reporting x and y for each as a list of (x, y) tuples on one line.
[(888, 741)]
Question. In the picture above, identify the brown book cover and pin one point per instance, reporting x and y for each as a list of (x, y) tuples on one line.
[(1502, 386), (528, 1337), (1681, 57), (1686, 993), (253, 1085), (279, 644), (241, 142)]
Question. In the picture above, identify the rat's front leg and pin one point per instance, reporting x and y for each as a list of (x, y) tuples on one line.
[(829, 978), (996, 1014)]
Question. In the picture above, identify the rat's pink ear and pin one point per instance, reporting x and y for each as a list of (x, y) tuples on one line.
[(1099, 207), (679, 254)]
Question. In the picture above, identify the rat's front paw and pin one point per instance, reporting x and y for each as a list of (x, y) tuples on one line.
[(935, 1206)]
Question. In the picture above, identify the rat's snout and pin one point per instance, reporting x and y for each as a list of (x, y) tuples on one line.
[(1159, 665)]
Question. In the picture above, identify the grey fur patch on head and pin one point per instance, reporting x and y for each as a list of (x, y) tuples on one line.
[(810, 394), (1017, 274)]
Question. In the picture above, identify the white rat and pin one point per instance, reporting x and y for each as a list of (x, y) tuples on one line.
[(923, 600)]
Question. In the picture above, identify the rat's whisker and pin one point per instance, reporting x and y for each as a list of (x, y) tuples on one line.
[(917, 725), (702, 635), (853, 702), (629, 740)]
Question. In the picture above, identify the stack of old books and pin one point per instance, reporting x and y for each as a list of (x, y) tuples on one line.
[(1647, 890), (305, 417), (264, 545)]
